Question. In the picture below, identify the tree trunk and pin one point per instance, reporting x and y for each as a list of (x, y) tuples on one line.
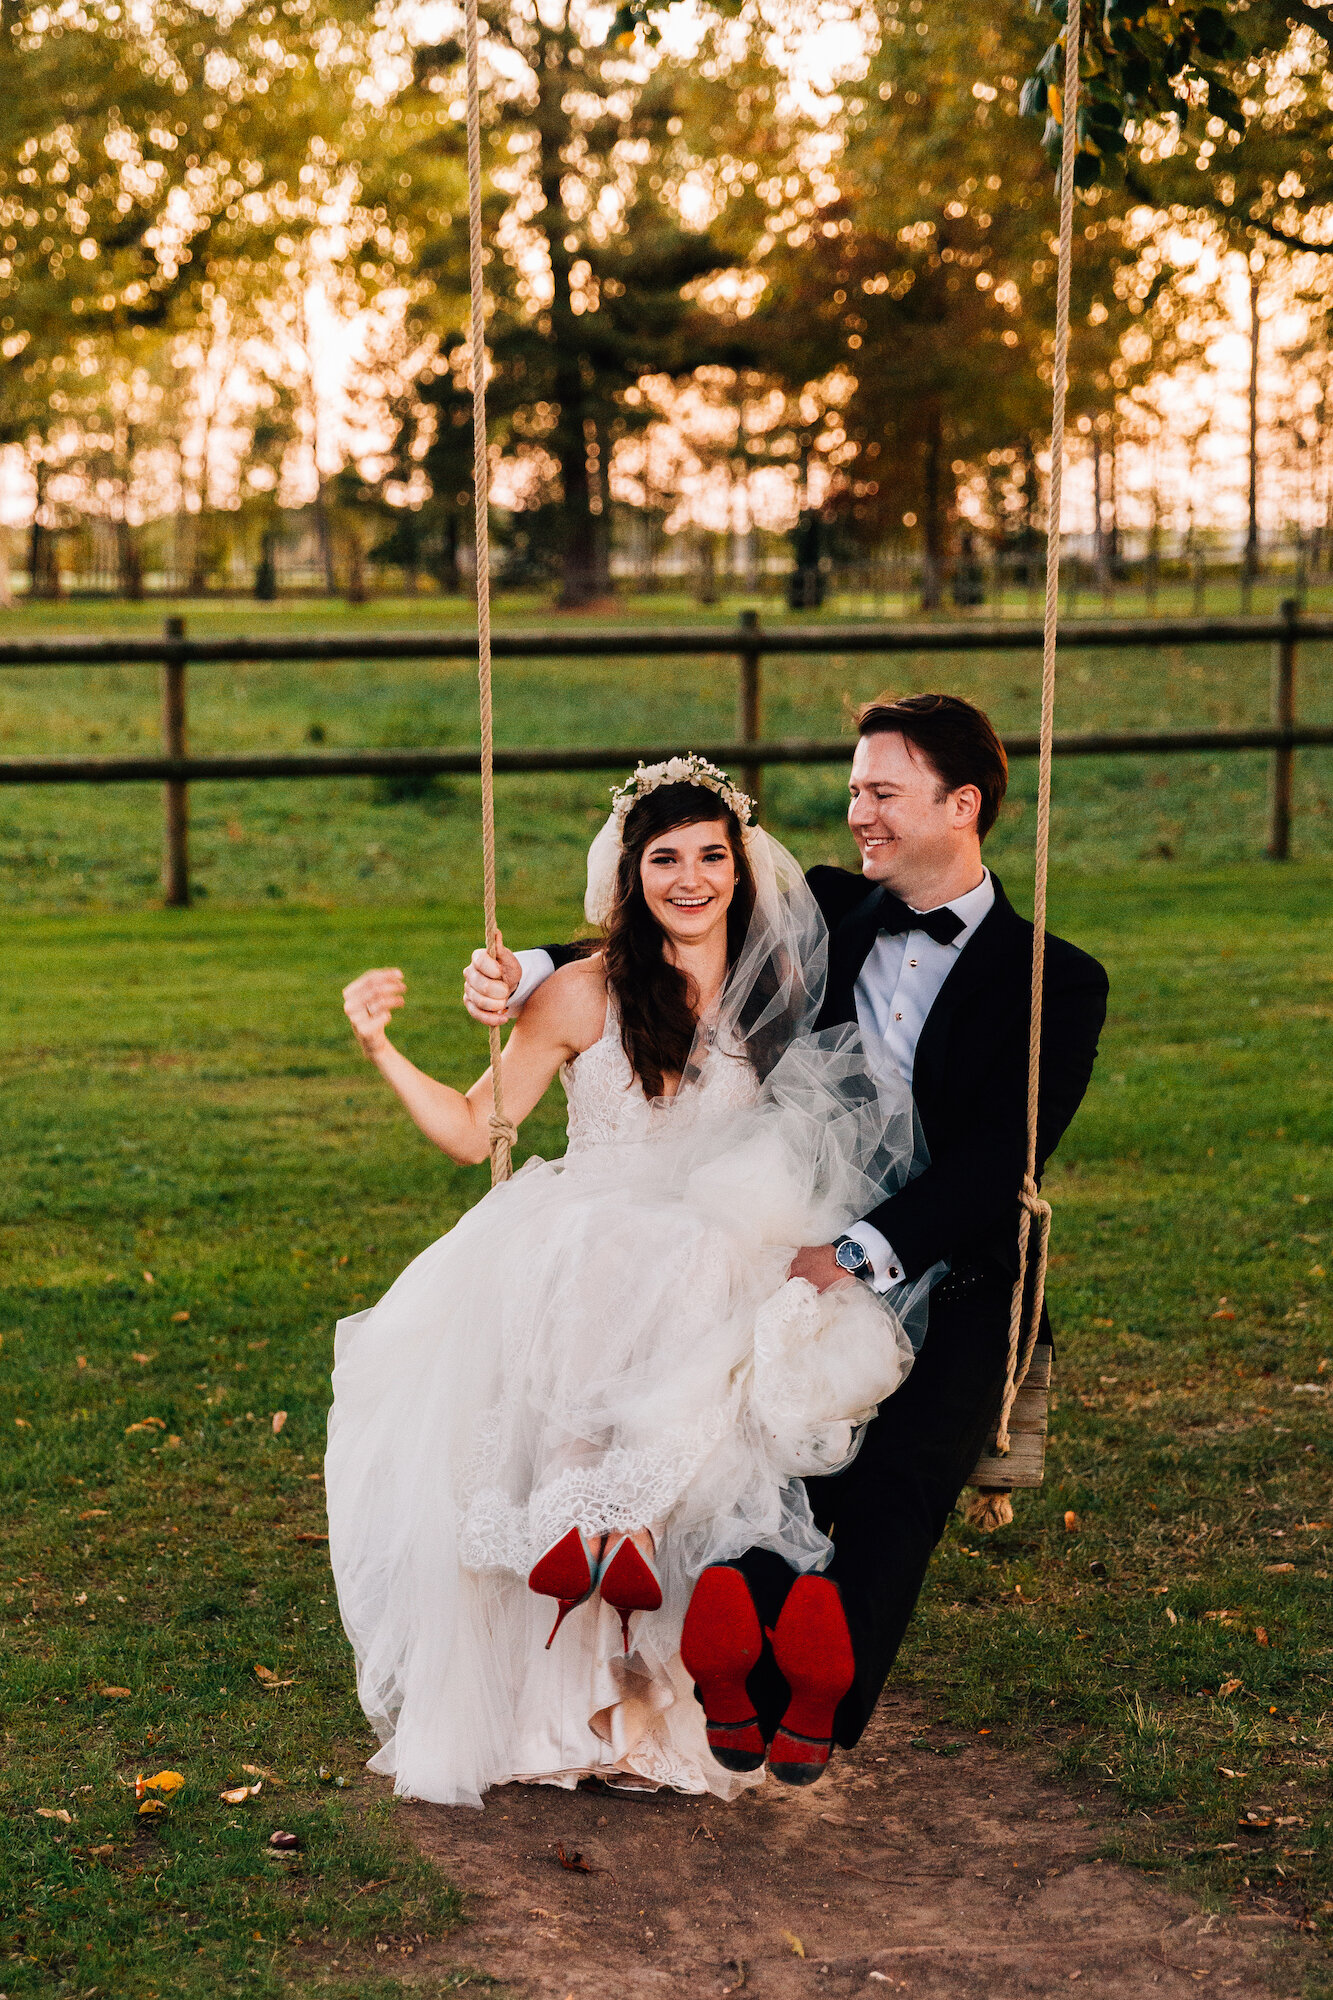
[(129, 563), (933, 529), (324, 537), (1100, 552), (1251, 566)]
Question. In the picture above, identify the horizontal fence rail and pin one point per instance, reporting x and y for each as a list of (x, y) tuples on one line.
[(613, 757), (638, 642), (750, 753)]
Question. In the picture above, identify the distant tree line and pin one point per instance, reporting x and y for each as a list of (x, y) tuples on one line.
[(858, 295)]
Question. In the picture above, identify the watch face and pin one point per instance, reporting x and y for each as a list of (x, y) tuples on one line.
[(852, 1256)]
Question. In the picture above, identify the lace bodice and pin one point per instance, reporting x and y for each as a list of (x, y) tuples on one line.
[(607, 1101)]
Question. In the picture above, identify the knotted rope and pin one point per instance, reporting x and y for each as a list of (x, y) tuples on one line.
[(502, 1130), (1033, 1207)]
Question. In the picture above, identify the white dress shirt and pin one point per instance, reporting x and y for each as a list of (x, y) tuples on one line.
[(898, 985)]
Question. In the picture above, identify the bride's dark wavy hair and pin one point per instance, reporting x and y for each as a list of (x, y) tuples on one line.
[(652, 996)]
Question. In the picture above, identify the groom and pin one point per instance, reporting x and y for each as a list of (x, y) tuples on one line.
[(930, 958)]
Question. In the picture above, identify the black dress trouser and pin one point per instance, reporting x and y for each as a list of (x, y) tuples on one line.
[(887, 1510)]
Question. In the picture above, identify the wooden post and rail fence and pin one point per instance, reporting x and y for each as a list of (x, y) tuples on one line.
[(747, 642)]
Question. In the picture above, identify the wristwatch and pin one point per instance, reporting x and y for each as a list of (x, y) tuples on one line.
[(853, 1257)]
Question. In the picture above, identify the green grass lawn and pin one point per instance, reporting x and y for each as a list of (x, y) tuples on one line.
[(203, 1175)]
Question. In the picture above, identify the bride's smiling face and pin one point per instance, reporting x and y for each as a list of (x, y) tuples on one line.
[(689, 878)]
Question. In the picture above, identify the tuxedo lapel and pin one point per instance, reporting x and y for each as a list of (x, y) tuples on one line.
[(999, 936), (848, 951)]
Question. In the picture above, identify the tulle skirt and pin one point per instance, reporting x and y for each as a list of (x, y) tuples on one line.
[(608, 1341)]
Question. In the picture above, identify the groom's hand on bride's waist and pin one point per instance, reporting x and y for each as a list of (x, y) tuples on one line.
[(488, 984)]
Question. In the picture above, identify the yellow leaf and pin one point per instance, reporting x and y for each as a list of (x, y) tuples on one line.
[(150, 1807), (1071, 1521), (1229, 1687), (115, 1694), (1055, 99), (161, 1781), (148, 1278), (279, 1419), (55, 1812), (143, 1359), (179, 1319), (236, 1795), (147, 1424), (22, 1424), (269, 1679), (797, 1947)]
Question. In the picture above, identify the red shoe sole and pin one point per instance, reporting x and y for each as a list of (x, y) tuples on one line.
[(628, 1584), (813, 1650), (720, 1645), (563, 1571)]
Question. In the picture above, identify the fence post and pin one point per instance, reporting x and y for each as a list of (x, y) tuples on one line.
[(175, 792), (1283, 716), (752, 776)]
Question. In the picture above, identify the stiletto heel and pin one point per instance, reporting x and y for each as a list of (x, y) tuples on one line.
[(629, 1582), (568, 1572)]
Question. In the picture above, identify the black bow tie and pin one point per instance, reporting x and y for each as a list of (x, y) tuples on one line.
[(895, 916)]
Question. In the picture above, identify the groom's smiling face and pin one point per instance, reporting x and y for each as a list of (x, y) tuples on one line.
[(912, 831)]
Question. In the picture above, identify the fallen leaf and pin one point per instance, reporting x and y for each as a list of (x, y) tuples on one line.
[(279, 1419), (1071, 1521), (161, 1781), (22, 1424), (179, 1319), (1223, 1312), (574, 1862), (790, 1938), (1229, 1687), (1171, 1615), (146, 1424), (94, 1513), (269, 1679), (1318, 1271), (1279, 1569), (148, 1278), (116, 1694), (1232, 1774), (80, 1361), (102, 1853), (143, 1359), (173, 1442), (1261, 1635), (151, 1807), (238, 1794), (82, 1597), (1103, 1322), (55, 1812), (311, 1538), (259, 1771)]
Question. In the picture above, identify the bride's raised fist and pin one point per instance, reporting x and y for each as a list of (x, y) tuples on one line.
[(369, 1003)]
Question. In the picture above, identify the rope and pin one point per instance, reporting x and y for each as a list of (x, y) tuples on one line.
[(1033, 1207), (503, 1132)]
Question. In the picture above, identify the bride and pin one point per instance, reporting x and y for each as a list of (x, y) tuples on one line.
[(601, 1381)]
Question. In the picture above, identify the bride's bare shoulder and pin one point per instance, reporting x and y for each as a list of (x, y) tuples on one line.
[(571, 1004)]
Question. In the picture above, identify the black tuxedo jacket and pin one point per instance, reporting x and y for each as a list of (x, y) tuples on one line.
[(970, 1076), (969, 1080)]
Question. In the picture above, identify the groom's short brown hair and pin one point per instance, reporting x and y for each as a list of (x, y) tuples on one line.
[(955, 737)]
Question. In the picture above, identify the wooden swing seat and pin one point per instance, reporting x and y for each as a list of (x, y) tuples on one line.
[(1025, 1461)]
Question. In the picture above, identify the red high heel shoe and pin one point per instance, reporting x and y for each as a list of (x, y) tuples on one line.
[(568, 1572), (629, 1582)]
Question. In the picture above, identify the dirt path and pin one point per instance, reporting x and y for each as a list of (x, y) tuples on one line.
[(947, 1877)]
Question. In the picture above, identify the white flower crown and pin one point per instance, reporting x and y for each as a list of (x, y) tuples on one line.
[(689, 770)]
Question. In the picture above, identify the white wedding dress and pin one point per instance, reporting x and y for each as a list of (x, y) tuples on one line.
[(608, 1341)]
